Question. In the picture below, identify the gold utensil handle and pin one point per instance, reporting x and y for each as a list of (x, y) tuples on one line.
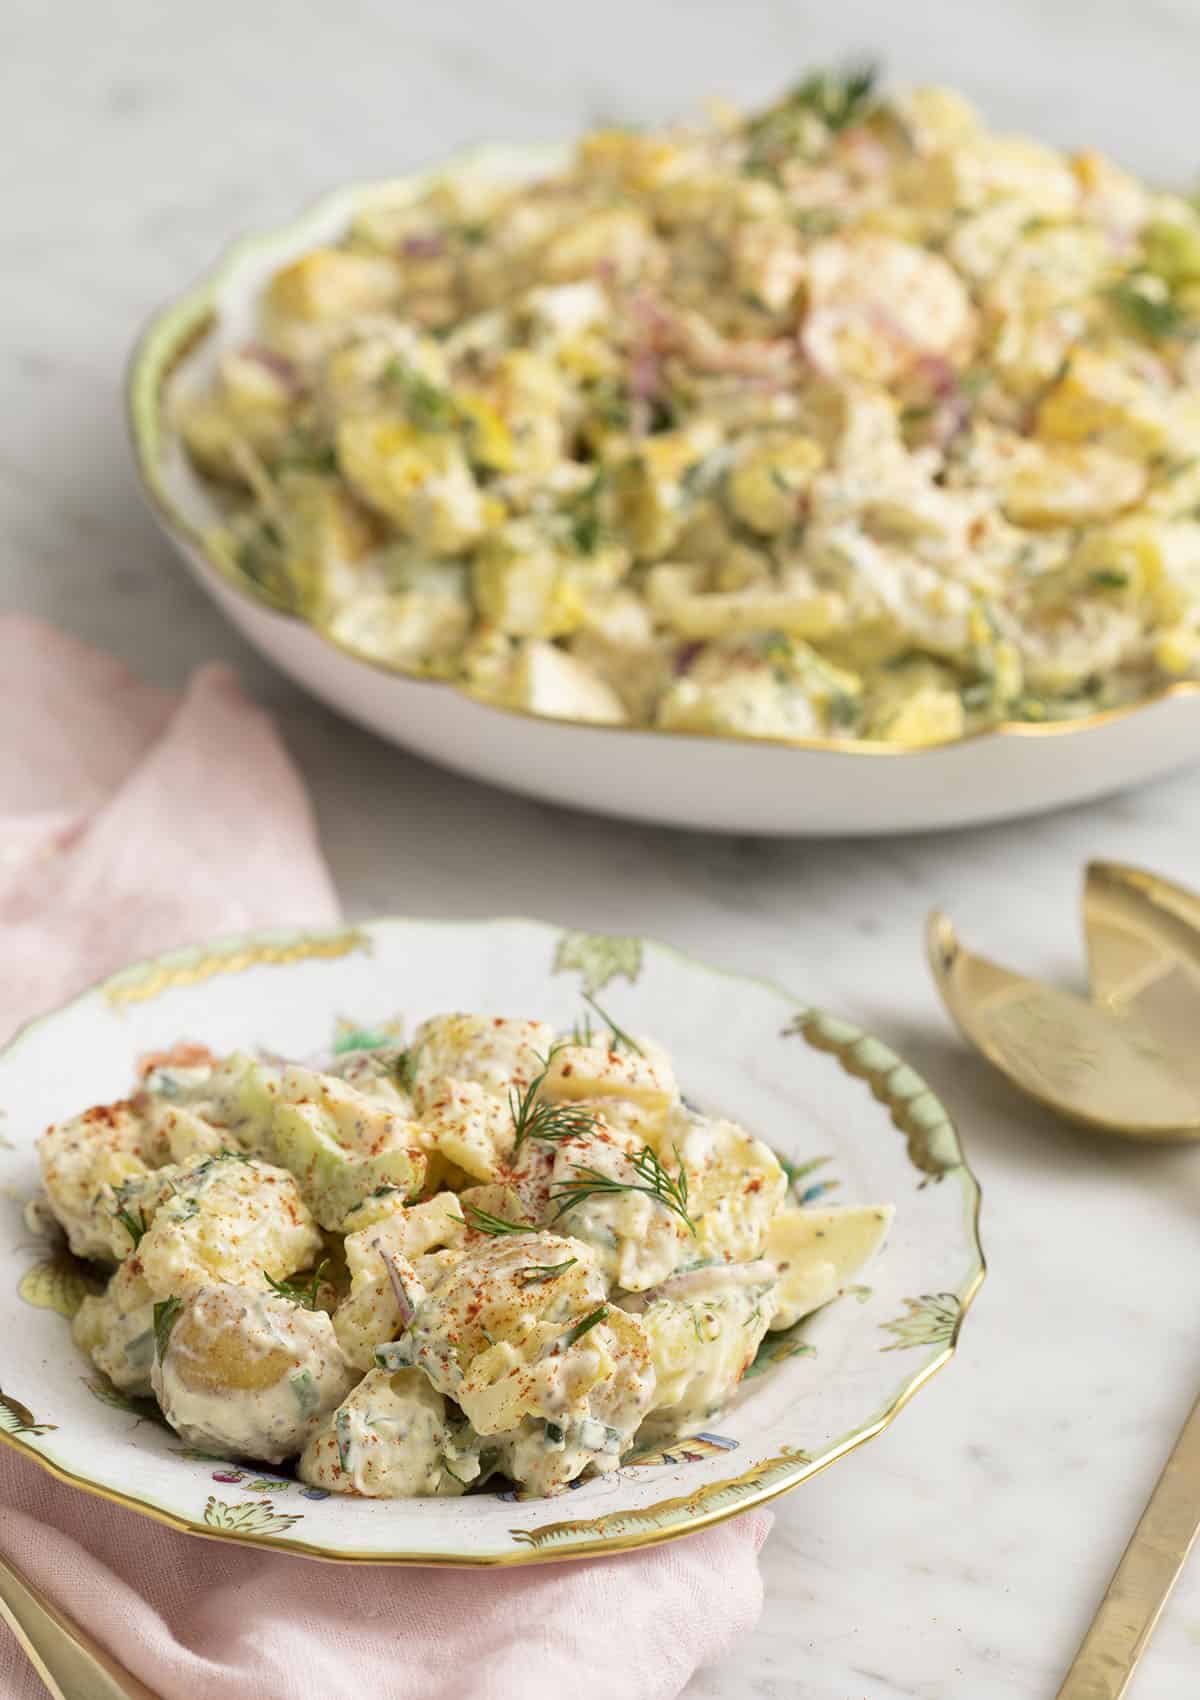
[(69, 1662), (1157, 1552)]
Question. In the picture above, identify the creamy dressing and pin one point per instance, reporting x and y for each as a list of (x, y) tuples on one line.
[(592, 1262)]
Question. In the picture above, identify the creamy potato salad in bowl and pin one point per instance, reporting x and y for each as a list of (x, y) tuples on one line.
[(472, 1288), (849, 426)]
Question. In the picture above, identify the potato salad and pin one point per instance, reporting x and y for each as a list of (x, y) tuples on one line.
[(848, 419), (501, 1252)]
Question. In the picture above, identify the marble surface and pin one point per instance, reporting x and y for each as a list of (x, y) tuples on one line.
[(959, 1556)]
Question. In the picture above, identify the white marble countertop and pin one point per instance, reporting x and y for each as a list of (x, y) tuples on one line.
[(959, 1556)]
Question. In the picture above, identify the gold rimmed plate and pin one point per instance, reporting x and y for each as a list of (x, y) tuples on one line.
[(855, 1121)]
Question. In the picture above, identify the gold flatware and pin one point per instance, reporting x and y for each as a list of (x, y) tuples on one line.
[(1157, 1552), (1124, 1061), (71, 1664)]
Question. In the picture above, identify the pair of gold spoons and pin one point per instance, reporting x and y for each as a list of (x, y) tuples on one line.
[(1125, 1061)]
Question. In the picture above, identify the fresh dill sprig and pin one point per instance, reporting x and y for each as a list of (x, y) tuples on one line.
[(581, 1328), (619, 1035), (535, 1118), (653, 1180), (1145, 303), (485, 1223), (135, 1225), (536, 1273), (429, 408), (301, 1292), (166, 1311)]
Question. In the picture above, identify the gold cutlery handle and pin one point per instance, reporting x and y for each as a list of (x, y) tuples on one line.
[(1157, 1552), (71, 1664)]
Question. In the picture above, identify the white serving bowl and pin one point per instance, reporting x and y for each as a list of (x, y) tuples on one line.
[(809, 787), (818, 1090)]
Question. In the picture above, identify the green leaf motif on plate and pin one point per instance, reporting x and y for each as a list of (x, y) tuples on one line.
[(253, 1517), (598, 958), (931, 1320), (16, 1418), (924, 1120), (59, 1283), (777, 1348)]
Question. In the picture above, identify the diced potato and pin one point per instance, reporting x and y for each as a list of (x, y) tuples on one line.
[(419, 480), (1071, 485), (116, 1329), (702, 1341), (637, 1240), (393, 1437), (767, 483), (231, 1219), (421, 631), (410, 1230), (651, 491), (85, 1162), (1099, 400), (619, 237), (735, 1185), (248, 1374), (330, 283), (547, 681), (818, 1252), (599, 1071), (521, 584)]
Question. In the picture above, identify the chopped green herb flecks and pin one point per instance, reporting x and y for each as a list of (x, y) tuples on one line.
[(166, 1311), (304, 1293), (581, 1328)]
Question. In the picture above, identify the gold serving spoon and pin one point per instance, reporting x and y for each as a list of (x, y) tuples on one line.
[(1125, 1061), (72, 1665)]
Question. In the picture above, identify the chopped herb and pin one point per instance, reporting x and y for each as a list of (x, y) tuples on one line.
[(1108, 578), (1142, 299), (344, 1438), (428, 407), (816, 221), (303, 1293), (134, 1224), (393, 1355), (484, 1222), (555, 1434), (535, 1118), (404, 1069), (619, 1036), (844, 710), (833, 101), (581, 1328), (384, 1190), (587, 528), (472, 234), (537, 1273), (307, 1393), (653, 1180), (166, 1311)]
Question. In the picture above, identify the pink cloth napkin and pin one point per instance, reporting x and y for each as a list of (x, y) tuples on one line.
[(132, 821)]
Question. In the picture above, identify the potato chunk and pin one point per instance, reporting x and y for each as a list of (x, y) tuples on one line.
[(392, 1438), (250, 1374)]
